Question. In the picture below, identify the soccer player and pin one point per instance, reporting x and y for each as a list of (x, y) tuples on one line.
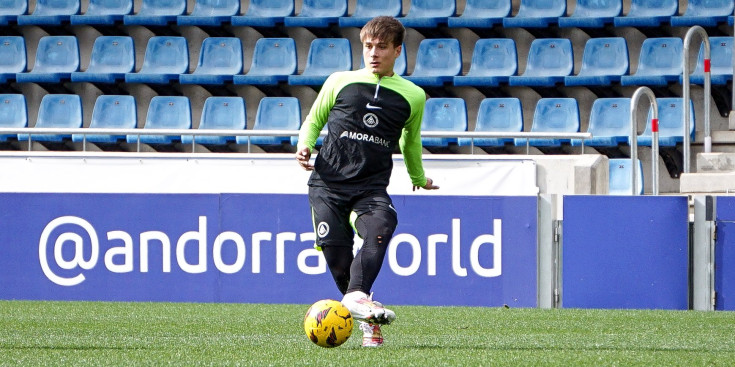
[(368, 112)]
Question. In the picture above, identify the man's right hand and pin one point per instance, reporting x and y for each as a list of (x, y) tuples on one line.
[(302, 156)]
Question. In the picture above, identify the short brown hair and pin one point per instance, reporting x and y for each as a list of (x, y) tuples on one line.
[(384, 28)]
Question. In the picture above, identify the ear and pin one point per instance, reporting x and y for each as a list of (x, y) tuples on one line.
[(399, 49)]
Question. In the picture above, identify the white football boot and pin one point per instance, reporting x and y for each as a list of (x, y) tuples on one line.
[(371, 335), (363, 308)]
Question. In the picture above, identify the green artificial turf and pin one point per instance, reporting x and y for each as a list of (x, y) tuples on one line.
[(156, 334)]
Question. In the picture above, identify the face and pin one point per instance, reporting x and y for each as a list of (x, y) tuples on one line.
[(380, 55)]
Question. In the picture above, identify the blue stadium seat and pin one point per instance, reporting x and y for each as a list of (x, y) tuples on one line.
[(57, 111), (51, 13), (428, 13), (165, 112), (648, 13), (104, 12), (111, 58), (720, 62), (264, 13), (111, 112), (212, 13), (670, 123), (496, 115), (220, 59), (481, 14), (399, 67), (13, 113), (56, 58), (318, 14), (537, 14), (11, 9), (166, 57), (443, 114), (549, 61), (604, 61), (220, 113), (609, 123), (326, 55), (438, 61), (659, 63), (557, 115), (12, 57), (592, 14), (494, 60), (274, 59), (619, 176), (705, 13), (275, 113), (368, 9), (156, 13)]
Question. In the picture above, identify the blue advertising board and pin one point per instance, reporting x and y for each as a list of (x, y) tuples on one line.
[(725, 254), (625, 252), (475, 251)]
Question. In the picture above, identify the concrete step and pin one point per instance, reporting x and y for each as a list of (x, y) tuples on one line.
[(707, 182)]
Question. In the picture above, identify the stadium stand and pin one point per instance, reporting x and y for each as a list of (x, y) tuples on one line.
[(428, 13), (560, 115), (705, 13), (648, 13), (11, 9), (156, 13), (13, 113), (104, 12), (443, 114), (264, 13), (51, 13), (274, 59), (496, 115), (549, 61), (537, 14), (604, 61), (275, 113), (720, 62), (438, 61), (221, 113), (619, 176), (494, 60), (659, 63), (166, 57), (57, 111), (220, 58), (592, 14), (318, 14), (609, 123), (210, 13), (56, 58), (368, 9), (111, 58), (481, 14), (110, 112), (165, 112), (326, 55), (12, 57)]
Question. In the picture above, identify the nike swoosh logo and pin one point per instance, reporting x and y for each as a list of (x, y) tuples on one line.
[(371, 107)]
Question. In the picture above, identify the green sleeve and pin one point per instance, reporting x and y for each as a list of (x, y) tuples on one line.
[(410, 143), (319, 113)]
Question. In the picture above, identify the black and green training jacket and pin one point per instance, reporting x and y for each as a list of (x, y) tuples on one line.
[(366, 116)]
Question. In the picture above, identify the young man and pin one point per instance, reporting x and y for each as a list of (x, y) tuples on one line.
[(369, 112)]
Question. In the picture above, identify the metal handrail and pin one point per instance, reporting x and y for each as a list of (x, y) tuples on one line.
[(634, 139), (686, 85), (224, 132)]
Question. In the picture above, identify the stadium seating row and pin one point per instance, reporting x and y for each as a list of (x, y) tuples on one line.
[(438, 62), (609, 119), (323, 13)]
